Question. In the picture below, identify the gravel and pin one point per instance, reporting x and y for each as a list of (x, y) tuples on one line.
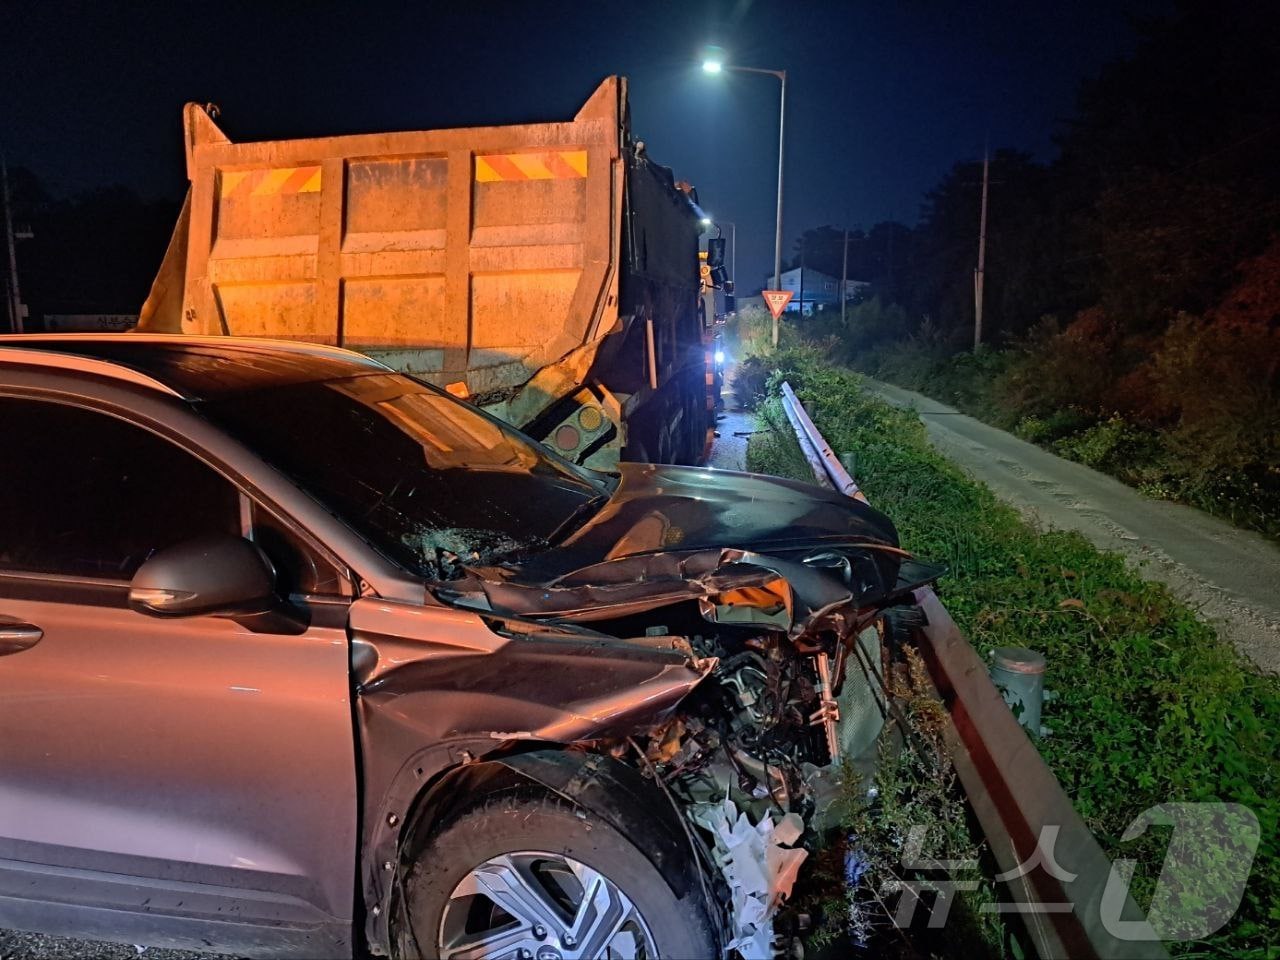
[(16, 945)]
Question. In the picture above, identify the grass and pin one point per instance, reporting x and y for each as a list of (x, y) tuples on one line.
[(1151, 706), (852, 883)]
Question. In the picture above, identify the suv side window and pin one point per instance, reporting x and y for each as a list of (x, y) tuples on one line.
[(85, 494)]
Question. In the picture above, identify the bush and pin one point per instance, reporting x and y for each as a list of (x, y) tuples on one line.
[(1052, 369), (750, 382), (1056, 426), (1223, 381), (750, 336), (911, 362), (1115, 446), (750, 333), (866, 325)]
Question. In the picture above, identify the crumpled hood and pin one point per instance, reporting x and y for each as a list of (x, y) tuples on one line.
[(684, 509), (671, 534)]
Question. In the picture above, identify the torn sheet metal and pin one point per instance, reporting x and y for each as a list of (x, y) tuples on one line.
[(636, 584), (466, 678)]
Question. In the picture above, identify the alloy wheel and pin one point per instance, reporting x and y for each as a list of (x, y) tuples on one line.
[(541, 906)]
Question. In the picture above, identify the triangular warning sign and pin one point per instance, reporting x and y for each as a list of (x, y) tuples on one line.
[(777, 300)]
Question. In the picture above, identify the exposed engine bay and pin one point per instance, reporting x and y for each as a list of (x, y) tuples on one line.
[(752, 756), (756, 754), (790, 700), (718, 643)]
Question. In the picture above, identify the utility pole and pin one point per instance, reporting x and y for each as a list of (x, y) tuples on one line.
[(889, 283), (979, 274), (844, 276), (15, 297), (733, 243), (777, 234), (802, 252)]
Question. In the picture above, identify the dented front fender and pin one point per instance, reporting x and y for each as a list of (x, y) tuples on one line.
[(437, 687)]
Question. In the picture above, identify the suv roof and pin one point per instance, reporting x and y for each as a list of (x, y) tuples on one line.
[(194, 368)]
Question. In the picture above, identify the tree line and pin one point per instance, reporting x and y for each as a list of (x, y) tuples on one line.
[(93, 253), (1165, 184)]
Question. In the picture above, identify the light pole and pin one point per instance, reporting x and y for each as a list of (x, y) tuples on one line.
[(15, 296), (715, 63)]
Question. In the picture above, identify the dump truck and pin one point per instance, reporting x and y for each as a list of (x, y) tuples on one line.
[(548, 272)]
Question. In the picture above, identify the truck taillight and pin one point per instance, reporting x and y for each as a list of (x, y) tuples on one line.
[(567, 437)]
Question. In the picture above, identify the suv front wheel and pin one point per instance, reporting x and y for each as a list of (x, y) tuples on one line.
[(533, 878)]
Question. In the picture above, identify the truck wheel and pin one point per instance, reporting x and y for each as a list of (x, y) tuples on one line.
[(533, 877)]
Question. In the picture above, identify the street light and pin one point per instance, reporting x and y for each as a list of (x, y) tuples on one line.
[(714, 62)]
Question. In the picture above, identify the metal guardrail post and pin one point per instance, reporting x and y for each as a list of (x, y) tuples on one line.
[(1018, 801)]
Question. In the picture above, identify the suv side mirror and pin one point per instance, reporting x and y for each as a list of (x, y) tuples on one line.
[(218, 575)]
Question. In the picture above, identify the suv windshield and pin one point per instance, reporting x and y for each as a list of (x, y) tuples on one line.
[(428, 480)]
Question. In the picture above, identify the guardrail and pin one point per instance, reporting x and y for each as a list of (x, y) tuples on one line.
[(1051, 865), (826, 466)]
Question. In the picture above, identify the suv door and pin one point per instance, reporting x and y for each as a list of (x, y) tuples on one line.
[(166, 781)]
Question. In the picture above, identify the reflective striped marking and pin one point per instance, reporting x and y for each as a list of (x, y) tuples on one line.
[(541, 165), (271, 182), (270, 185)]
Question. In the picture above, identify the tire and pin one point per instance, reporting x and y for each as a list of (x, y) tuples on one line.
[(536, 841)]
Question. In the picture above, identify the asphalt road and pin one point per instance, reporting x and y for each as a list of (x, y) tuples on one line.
[(733, 430), (1232, 576)]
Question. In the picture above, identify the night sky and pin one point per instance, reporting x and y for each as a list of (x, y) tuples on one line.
[(882, 98)]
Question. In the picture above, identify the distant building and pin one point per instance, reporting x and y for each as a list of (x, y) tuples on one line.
[(818, 290)]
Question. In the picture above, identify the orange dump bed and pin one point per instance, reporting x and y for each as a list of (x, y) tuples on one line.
[(491, 260)]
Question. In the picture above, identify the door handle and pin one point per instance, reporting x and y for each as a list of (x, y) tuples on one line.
[(16, 636)]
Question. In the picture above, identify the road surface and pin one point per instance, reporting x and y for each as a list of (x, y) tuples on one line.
[(733, 428), (1232, 576)]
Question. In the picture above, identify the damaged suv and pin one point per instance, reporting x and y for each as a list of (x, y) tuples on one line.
[(303, 657)]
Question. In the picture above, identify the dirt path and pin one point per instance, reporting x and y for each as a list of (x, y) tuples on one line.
[(1232, 576)]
